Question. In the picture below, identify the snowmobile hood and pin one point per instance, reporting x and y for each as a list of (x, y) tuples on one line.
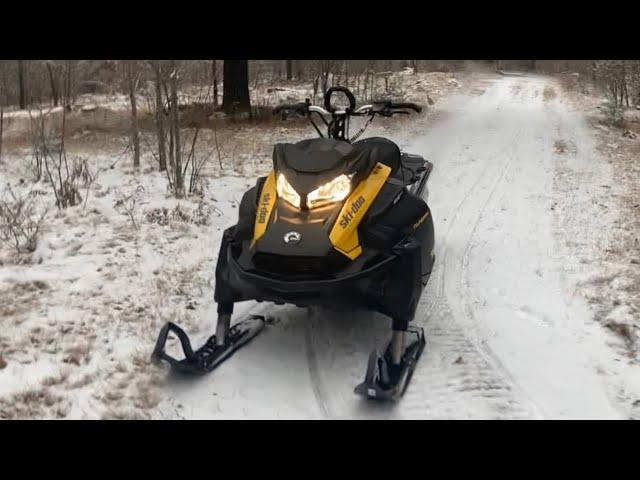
[(311, 163)]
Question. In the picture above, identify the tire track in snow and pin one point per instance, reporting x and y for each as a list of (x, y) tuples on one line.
[(442, 387), (482, 377), (447, 388), (482, 346), (315, 376)]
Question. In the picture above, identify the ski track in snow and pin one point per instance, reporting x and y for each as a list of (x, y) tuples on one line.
[(504, 338)]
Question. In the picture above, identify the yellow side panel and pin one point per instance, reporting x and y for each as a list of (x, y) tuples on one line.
[(344, 234), (265, 206)]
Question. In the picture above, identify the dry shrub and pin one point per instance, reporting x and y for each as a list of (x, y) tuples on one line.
[(560, 146), (625, 330), (123, 413), (56, 379), (33, 403), (78, 354), (549, 93), (127, 204), (81, 381), (21, 220), (200, 215)]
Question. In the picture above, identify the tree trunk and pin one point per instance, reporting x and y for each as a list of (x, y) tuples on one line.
[(162, 152), (1, 117), (179, 186), (299, 69), (1, 127), (236, 87), (346, 73), (135, 137), (21, 89), (289, 69), (214, 79), (52, 83)]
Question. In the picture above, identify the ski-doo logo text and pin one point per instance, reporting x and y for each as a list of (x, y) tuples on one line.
[(349, 214), (264, 208)]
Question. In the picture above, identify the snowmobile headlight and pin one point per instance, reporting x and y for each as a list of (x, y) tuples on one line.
[(286, 191), (334, 191)]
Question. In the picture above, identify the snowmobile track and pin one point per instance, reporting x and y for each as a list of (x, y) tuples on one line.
[(314, 372), (483, 376)]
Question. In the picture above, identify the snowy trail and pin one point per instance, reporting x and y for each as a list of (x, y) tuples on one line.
[(505, 338)]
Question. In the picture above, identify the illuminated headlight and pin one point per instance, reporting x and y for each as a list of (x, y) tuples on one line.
[(334, 191), (286, 191)]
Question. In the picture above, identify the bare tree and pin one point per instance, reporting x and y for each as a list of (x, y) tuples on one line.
[(159, 115), (178, 178), (236, 87), (1, 118), (132, 85), (289, 69), (53, 83), (614, 76), (326, 67), (214, 79), (21, 87), (63, 177)]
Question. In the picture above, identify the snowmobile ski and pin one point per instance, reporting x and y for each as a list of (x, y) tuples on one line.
[(210, 355), (384, 381)]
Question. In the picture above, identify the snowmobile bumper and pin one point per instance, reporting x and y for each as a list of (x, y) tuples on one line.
[(391, 286)]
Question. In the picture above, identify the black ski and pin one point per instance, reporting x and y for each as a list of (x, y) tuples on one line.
[(384, 381), (210, 355)]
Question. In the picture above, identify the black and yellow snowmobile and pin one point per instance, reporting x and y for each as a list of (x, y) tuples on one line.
[(336, 222)]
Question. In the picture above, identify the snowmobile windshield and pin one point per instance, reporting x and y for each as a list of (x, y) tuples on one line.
[(316, 172)]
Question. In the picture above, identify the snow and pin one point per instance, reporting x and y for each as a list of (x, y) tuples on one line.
[(510, 313)]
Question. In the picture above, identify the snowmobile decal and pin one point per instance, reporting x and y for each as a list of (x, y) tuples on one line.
[(348, 216), (344, 234), (265, 206), (422, 219)]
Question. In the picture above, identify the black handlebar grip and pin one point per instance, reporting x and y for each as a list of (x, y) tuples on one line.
[(411, 106)]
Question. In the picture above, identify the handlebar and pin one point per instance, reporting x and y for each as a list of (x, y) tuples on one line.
[(407, 105), (338, 124), (385, 108)]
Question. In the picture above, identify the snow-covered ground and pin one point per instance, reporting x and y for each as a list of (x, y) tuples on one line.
[(519, 233)]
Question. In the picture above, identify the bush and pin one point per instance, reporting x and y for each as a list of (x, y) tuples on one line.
[(20, 222), (613, 113)]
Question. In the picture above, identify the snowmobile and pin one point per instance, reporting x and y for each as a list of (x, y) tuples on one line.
[(337, 222)]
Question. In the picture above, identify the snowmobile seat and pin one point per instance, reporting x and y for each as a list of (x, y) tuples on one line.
[(384, 151)]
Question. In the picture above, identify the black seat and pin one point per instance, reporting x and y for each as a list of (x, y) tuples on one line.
[(383, 150)]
